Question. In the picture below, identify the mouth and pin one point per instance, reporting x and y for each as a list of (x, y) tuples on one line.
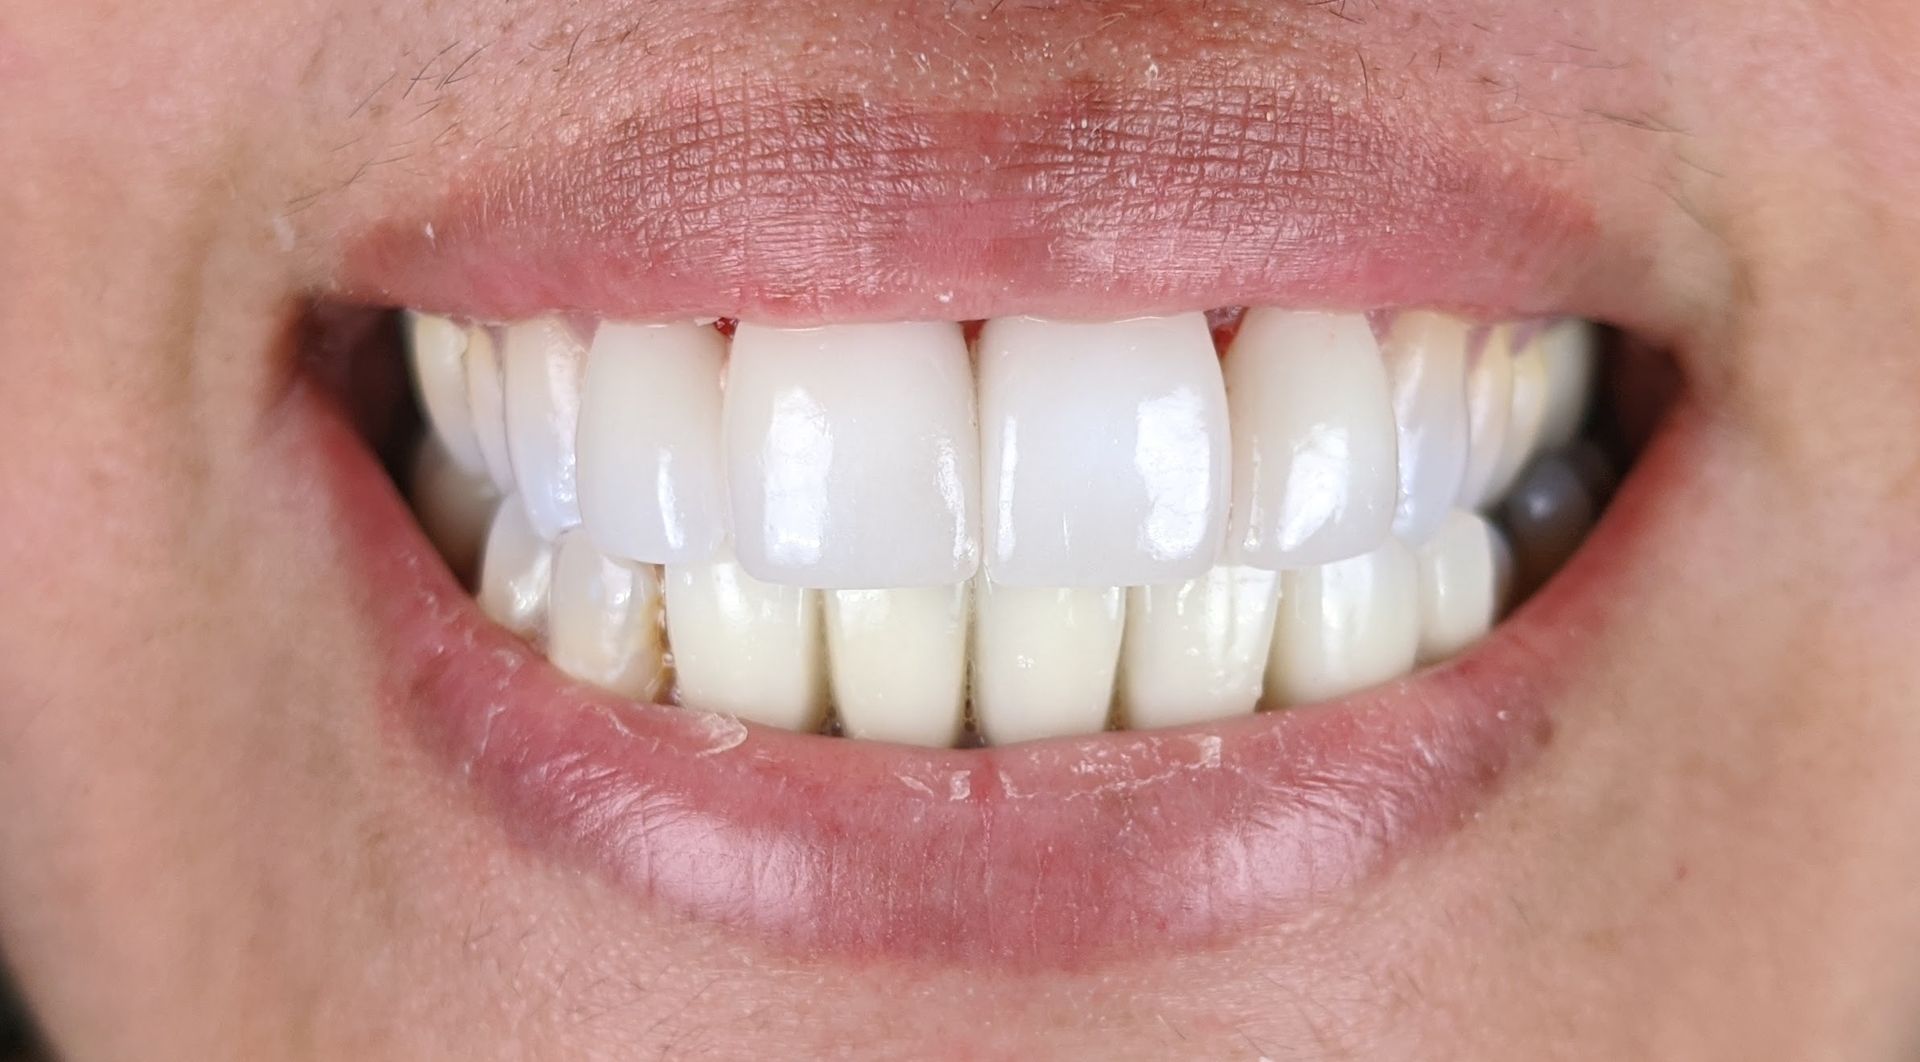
[(1069, 583)]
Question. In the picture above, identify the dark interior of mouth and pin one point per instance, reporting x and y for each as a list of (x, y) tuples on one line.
[(967, 657)]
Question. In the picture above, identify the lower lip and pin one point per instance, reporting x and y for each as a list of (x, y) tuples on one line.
[(1052, 854)]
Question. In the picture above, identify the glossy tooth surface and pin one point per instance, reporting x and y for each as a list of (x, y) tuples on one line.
[(744, 647), (1570, 348), (1546, 517), (1315, 477), (1044, 660), (1197, 651), (455, 507), (1489, 404), (1345, 626), (1459, 586), (487, 399), (603, 620), (1426, 362), (1104, 451), (852, 455), (542, 362), (1526, 415), (898, 660), (649, 443), (436, 353), (516, 572)]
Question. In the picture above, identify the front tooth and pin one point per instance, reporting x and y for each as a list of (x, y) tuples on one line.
[(454, 506), (1315, 477), (853, 456), (1103, 450), (1426, 361), (516, 571), (898, 659), (487, 399), (1044, 659), (1570, 348), (649, 443), (1459, 586), (1489, 402), (543, 361), (1195, 652), (1546, 517), (1345, 626), (437, 349), (603, 622), (1526, 416), (744, 647)]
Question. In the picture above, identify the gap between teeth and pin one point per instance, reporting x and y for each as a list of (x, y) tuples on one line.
[(1056, 528)]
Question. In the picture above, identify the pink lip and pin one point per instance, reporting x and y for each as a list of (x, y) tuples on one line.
[(1056, 853)]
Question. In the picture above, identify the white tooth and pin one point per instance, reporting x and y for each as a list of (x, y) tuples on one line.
[(1043, 660), (454, 507), (1489, 402), (1525, 417), (437, 349), (1195, 651), (1315, 477), (1345, 626), (487, 397), (516, 570), (649, 443), (1546, 517), (603, 624), (1570, 348), (853, 456), (744, 647), (1104, 451), (1426, 361), (898, 659), (543, 360), (1459, 586)]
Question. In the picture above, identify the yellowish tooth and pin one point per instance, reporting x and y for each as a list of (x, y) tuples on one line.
[(1489, 405), (1524, 419), (1044, 660), (454, 507), (746, 648), (1195, 651), (899, 663), (437, 348), (487, 397), (604, 623), (516, 572), (1459, 586), (1346, 626), (1570, 348)]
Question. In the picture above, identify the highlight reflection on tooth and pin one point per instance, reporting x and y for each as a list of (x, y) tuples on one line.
[(542, 362), (1345, 626), (1104, 451), (603, 620), (516, 572), (650, 471), (1546, 518), (487, 399), (898, 659), (1197, 651), (853, 455), (1570, 348), (1426, 361), (454, 506), (1315, 477), (744, 647), (436, 352), (1459, 586), (1489, 405), (1044, 659)]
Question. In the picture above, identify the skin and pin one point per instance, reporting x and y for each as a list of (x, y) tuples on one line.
[(211, 847)]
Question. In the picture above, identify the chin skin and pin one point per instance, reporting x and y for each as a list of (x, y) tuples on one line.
[(214, 845)]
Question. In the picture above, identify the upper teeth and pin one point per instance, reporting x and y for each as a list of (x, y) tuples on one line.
[(854, 459)]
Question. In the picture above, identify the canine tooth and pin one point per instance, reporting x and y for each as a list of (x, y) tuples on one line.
[(1104, 451), (744, 647), (1315, 477), (1426, 362), (1546, 517), (649, 443), (487, 398), (542, 361), (1525, 417), (436, 349), (1196, 651), (898, 660), (454, 506), (853, 455), (1044, 659), (516, 572), (603, 621), (1459, 586), (1345, 626), (1570, 348), (1489, 403)]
